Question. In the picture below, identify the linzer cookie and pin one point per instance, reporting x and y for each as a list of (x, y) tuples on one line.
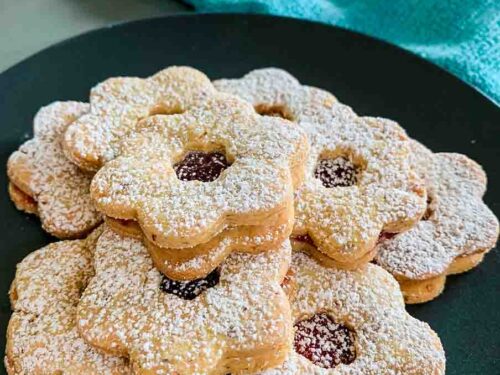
[(42, 337), (44, 182), (354, 322), (190, 263), (117, 104), (456, 232), (199, 185), (359, 181), (235, 320)]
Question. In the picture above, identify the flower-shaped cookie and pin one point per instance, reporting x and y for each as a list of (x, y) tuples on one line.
[(217, 170), (42, 337), (354, 322), (359, 180), (235, 320), (198, 261), (43, 181), (454, 234), (117, 104)]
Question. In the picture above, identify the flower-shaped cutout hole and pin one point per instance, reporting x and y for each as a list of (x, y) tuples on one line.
[(191, 289), (274, 111), (246, 315), (201, 166), (387, 195), (338, 170), (324, 342)]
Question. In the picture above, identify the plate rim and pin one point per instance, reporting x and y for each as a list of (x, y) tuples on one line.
[(252, 15)]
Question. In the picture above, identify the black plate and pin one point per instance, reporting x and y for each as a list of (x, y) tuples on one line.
[(373, 77)]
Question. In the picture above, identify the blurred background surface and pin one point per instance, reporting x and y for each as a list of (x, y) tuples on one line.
[(28, 26)]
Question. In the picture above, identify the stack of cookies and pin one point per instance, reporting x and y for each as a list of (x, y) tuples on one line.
[(242, 226)]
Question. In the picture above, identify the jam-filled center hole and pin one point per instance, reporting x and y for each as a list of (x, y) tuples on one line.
[(191, 289), (337, 172), (201, 166), (324, 342), (274, 110)]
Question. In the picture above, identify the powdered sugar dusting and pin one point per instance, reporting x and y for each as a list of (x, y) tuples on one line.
[(459, 222), (42, 335), (213, 253), (40, 169), (142, 184), (247, 312), (336, 172), (324, 342), (344, 222), (368, 300), (118, 103)]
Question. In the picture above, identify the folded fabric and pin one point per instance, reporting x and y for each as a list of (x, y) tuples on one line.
[(462, 36)]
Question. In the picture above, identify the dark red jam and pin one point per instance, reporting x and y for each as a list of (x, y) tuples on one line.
[(336, 172), (324, 342), (191, 289), (201, 166), (385, 236)]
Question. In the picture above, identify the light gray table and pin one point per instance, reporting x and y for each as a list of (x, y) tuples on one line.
[(27, 26)]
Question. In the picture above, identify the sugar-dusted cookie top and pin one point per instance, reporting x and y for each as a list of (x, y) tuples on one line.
[(118, 103), (359, 181), (457, 222), (235, 319), (40, 173), (355, 322), (249, 165), (198, 261), (42, 337)]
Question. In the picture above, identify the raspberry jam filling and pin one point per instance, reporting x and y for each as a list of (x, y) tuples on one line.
[(385, 236), (201, 166), (191, 289), (324, 342), (336, 172)]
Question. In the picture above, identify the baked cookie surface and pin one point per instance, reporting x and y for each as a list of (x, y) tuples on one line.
[(44, 182), (204, 183), (237, 319), (456, 232), (359, 180), (42, 337), (118, 103), (355, 322)]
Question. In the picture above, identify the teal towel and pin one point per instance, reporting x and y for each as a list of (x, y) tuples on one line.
[(462, 36)]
